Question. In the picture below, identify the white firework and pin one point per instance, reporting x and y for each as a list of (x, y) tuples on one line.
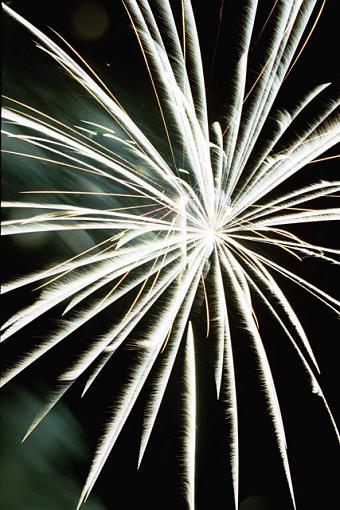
[(170, 225)]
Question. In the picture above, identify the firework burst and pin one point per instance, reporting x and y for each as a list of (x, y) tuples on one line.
[(198, 226)]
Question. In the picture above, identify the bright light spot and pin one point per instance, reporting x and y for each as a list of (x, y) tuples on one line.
[(210, 236)]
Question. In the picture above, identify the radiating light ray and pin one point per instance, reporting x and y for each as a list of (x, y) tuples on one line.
[(285, 119), (265, 278), (151, 79), (134, 387), (291, 199), (155, 400), (85, 151), (189, 435), (266, 22), (230, 264), (307, 39), (336, 156), (225, 371), (63, 126), (206, 306), (318, 293), (79, 75), (97, 77), (290, 27)]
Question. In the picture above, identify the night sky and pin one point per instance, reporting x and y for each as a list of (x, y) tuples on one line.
[(105, 39)]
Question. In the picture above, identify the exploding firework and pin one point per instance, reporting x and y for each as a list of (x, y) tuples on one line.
[(196, 227)]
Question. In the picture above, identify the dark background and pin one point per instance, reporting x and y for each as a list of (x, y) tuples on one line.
[(312, 446)]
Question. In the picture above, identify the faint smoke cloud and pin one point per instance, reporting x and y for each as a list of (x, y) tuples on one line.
[(90, 20)]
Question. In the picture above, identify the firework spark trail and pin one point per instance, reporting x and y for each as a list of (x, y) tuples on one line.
[(168, 227), (189, 436)]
